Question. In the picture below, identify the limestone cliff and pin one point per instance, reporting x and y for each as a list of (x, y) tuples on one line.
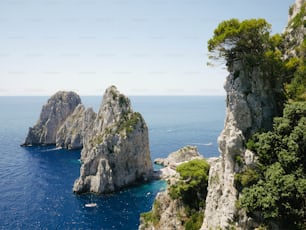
[(251, 105), (52, 117), (295, 31), (166, 213), (116, 150), (70, 135)]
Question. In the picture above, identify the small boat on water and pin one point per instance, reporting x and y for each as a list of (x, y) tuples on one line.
[(91, 205)]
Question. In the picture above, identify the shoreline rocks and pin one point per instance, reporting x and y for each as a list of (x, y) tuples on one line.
[(174, 159), (171, 212)]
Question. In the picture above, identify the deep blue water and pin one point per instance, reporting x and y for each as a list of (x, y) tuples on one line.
[(36, 182)]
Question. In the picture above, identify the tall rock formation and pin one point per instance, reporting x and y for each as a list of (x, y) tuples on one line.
[(70, 135), (116, 150), (52, 117), (251, 106)]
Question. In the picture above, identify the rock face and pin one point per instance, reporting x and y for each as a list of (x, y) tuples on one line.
[(174, 159), (186, 153), (250, 107), (116, 149), (52, 117), (295, 31), (71, 133), (172, 212)]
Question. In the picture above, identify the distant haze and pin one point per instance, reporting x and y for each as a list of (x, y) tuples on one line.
[(152, 47)]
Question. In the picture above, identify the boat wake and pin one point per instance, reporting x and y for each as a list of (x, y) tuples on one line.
[(203, 144)]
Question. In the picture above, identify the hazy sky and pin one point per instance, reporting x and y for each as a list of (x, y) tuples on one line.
[(144, 47)]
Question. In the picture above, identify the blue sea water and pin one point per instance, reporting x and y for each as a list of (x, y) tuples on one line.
[(36, 182)]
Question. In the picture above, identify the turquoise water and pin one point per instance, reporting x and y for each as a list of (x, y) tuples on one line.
[(36, 182)]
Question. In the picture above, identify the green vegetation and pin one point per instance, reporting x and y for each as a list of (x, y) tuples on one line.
[(153, 216), (296, 68), (298, 20), (123, 101), (129, 122), (235, 40), (249, 43), (275, 190), (191, 189), (195, 221)]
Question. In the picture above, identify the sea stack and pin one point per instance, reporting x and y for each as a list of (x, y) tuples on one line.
[(72, 132), (52, 116), (115, 150)]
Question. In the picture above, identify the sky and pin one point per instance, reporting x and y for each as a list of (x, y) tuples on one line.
[(144, 47)]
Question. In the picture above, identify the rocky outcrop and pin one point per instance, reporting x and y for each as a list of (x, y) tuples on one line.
[(186, 153), (174, 159), (170, 214), (71, 133), (170, 211), (294, 33), (116, 150), (52, 117), (251, 106)]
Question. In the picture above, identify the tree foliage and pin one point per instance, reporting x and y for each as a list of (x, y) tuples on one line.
[(235, 40), (192, 186), (296, 82), (279, 193), (191, 189)]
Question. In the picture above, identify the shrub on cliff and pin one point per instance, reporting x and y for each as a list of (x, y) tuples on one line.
[(279, 195), (192, 186), (250, 44)]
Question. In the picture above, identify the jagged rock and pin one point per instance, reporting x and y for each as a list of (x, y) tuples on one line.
[(251, 106), (294, 34), (71, 133), (52, 116), (174, 159), (116, 150), (186, 153), (171, 213)]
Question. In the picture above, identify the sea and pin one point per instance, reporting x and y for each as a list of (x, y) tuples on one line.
[(36, 182)]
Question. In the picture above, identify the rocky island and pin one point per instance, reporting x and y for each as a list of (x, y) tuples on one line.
[(53, 114), (116, 150), (114, 142)]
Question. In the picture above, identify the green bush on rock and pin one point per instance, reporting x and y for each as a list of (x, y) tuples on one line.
[(279, 193), (192, 186), (191, 189)]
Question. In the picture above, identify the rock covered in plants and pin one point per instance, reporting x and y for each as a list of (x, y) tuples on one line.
[(52, 116), (180, 206), (115, 151), (174, 159)]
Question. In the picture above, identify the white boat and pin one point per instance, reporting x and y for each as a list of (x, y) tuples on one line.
[(91, 205)]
